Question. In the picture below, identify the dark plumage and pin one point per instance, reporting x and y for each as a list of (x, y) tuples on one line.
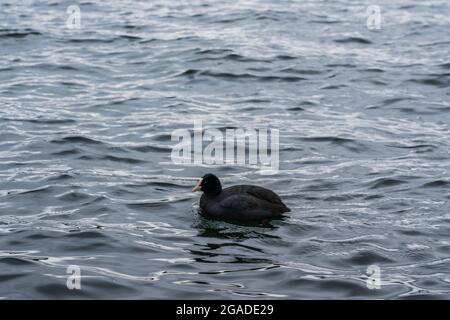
[(241, 202)]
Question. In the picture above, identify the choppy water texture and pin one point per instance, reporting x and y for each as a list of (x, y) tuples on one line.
[(85, 125)]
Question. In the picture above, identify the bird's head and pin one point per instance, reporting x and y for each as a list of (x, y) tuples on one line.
[(209, 184)]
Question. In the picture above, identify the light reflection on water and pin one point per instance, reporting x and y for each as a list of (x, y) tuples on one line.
[(86, 118)]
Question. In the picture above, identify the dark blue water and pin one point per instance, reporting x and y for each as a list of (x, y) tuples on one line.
[(86, 177)]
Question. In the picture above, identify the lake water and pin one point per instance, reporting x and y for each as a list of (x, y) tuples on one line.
[(86, 177)]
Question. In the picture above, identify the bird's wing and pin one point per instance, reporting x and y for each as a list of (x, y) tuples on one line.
[(241, 206), (259, 193), (239, 202)]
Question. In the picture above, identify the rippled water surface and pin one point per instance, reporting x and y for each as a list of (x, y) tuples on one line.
[(86, 118)]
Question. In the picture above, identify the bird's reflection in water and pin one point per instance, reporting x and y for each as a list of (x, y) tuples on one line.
[(232, 242), (237, 230)]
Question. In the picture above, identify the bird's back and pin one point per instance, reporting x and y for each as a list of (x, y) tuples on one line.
[(243, 202)]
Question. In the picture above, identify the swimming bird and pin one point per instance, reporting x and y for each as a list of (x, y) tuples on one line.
[(241, 202)]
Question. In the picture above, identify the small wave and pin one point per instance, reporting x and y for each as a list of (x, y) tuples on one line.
[(130, 37), (87, 235), (239, 58), (374, 70), (365, 258), (73, 196), (296, 109), (230, 57), (214, 51), (343, 197), (77, 139), (228, 76), (112, 158), (67, 152), (341, 65), (254, 100), (90, 40), (353, 40), (15, 33), (226, 54), (412, 233), (390, 101), (44, 189), (150, 148), (336, 140), (164, 202), (160, 184), (334, 87), (325, 21), (321, 186), (40, 236), (11, 276), (146, 205), (163, 137), (15, 261), (436, 184), (302, 71), (437, 43), (63, 176), (385, 182), (422, 147), (42, 121), (60, 291), (441, 81), (285, 57), (122, 159), (308, 103)]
